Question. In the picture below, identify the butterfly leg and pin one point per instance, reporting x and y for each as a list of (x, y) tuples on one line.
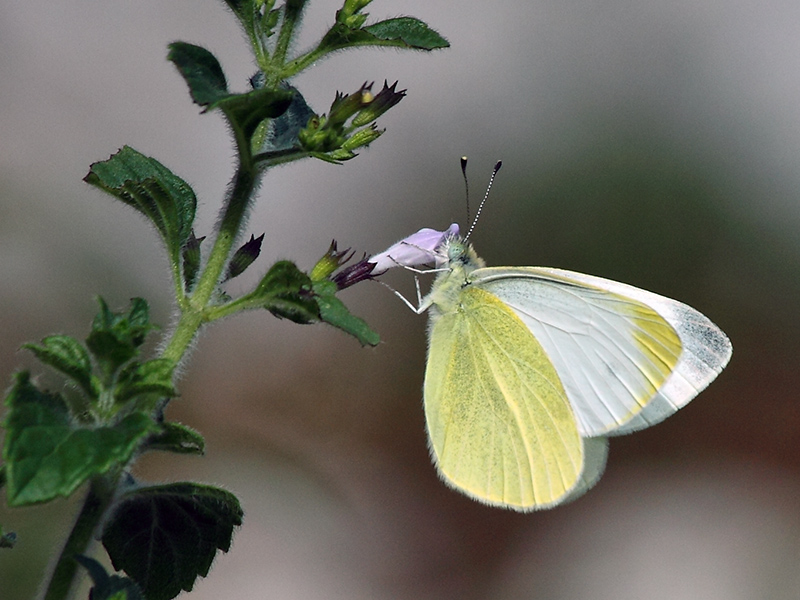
[(418, 271), (422, 304), (417, 309)]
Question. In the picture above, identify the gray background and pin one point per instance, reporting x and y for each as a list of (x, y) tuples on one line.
[(657, 143)]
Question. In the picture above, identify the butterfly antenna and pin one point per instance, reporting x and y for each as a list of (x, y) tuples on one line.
[(466, 182), (485, 197)]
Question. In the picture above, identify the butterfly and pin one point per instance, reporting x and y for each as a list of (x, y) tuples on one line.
[(530, 369)]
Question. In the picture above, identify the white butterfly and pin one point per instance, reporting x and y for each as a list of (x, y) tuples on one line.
[(530, 368)]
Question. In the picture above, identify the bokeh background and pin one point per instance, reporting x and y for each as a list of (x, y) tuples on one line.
[(656, 143)]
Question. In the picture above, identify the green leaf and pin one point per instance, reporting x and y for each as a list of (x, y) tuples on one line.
[(115, 337), (7, 540), (47, 456), (108, 587), (402, 32), (286, 292), (151, 377), (152, 189), (334, 312), (408, 32), (202, 72), (177, 438), (138, 317), (165, 536), (68, 356), (209, 89)]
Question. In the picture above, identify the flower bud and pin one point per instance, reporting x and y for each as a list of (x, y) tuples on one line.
[(350, 275), (362, 138), (348, 14), (330, 261), (385, 100), (353, 274), (346, 105)]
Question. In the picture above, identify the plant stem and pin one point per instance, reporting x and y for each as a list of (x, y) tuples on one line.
[(292, 12), (193, 316), (95, 504)]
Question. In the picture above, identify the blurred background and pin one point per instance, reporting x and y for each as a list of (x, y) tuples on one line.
[(655, 143)]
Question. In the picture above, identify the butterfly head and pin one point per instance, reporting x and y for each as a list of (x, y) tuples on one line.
[(459, 253)]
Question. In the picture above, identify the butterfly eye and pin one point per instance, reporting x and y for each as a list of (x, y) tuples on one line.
[(455, 250)]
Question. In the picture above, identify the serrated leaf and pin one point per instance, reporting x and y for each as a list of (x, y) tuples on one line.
[(108, 587), (152, 189), (408, 31), (165, 536), (209, 89), (46, 456), (334, 312), (115, 337), (177, 438), (244, 257), (402, 32), (286, 292), (151, 377), (68, 356)]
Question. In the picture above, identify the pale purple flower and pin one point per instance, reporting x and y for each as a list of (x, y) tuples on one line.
[(416, 250)]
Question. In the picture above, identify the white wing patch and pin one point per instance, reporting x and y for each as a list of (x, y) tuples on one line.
[(627, 358)]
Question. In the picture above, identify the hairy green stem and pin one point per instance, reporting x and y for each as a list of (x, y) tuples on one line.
[(303, 62), (97, 500), (177, 280), (193, 317), (292, 13)]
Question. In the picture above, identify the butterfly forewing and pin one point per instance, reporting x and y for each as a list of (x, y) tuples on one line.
[(505, 434), (627, 358), (705, 350)]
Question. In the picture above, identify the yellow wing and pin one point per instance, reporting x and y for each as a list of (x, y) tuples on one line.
[(500, 425)]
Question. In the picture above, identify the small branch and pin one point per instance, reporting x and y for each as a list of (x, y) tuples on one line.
[(192, 317), (279, 157), (97, 500), (292, 12)]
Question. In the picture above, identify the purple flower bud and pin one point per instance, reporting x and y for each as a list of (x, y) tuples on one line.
[(386, 99), (353, 274), (416, 250)]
